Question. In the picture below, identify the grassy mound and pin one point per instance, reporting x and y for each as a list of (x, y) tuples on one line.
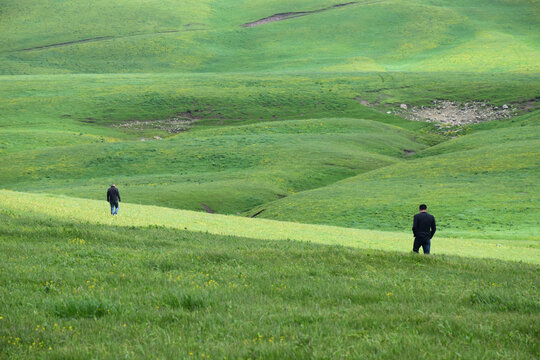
[(229, 170), (483, 184)]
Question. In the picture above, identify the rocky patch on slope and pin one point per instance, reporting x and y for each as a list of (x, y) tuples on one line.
[(456, 113), (172, 125)]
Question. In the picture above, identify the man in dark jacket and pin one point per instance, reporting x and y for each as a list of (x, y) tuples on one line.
[(113, 197), (423, 229)]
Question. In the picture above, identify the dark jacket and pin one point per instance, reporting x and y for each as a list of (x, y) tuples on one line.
[(113, 196), (424, 226)]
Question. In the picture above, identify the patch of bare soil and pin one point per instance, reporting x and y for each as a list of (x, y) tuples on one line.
[(207, 208), (100, 38), (296, 14), (367, 103), (530, 104), (173, 125), (456, 113), (277, 17), (194, 24), (408, 152), (257, 213), (104, 38)]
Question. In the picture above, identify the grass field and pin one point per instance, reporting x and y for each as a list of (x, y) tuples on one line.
[(75, 288), (206, 36), (228, 170), (81, 211), (188, 110), (483, 185)]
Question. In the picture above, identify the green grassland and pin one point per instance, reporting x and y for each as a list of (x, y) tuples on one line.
[(74, 287), (88, 102), (485, 184), (82, 211), (413, 35), (228, 170), (296, 118), (59, 134)]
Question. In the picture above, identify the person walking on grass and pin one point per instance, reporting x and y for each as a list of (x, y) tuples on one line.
[(113, 197), (423, 229)]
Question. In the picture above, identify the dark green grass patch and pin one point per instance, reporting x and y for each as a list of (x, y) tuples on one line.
[(498, 300), (187, 301), (83, 307)]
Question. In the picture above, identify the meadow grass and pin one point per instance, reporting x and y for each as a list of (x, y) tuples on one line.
[(82, 211), (228, 169), (242, 169), (483, 184), (87, 102), (79, 289), (280, 123), (206, 36)]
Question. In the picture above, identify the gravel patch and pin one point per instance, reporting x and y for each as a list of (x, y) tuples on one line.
[(172, 125), (456, 113)]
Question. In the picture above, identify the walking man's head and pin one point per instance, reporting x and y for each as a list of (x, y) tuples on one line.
[(113, 185), (423, 207)]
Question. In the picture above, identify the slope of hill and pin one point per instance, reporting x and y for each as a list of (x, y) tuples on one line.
[(79, 212), (74, 287), (207, 36), (228, 170), (73, 133), (483, 184)]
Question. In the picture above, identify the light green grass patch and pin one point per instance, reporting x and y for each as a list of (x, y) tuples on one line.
[(95, 212)]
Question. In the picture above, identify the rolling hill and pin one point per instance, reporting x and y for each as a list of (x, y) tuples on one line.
[(269, 169), (208, 36), (483, 184)]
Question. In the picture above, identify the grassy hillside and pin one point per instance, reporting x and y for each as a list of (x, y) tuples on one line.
[(59, 133), (207, 36), (483, 184), (72, 288), (74, 133), (229, 170), (51, 143), (188, 106), (82, 211), (85, 103)]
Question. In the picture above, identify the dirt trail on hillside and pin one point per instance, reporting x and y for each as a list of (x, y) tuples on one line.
[(296, 14), (207, 209), (67, 43), (105, 38)]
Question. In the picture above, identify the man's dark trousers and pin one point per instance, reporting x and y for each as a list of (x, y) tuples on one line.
[(424, 243)]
